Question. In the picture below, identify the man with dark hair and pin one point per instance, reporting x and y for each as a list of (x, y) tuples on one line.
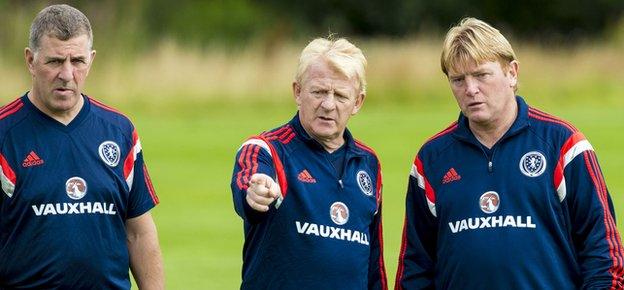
[(76, 195)]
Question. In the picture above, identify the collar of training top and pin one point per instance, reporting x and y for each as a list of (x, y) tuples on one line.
[(522, 121), (308, 140)]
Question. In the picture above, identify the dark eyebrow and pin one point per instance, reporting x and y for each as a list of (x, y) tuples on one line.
[(79, 58), (52, 58)]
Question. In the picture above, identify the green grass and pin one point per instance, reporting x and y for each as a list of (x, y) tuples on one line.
[(190, 152)]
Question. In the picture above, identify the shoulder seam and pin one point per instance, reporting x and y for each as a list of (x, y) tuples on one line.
[(448, 129), (9, 128), (283, 134), (106, 107), (549, 144), (439, 152), (128, 135), (17, 122), (545, 117), (11, 109), (5, 108), (365, 147)]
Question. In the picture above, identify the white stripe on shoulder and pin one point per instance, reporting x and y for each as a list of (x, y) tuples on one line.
[(418, 176), (136, 149), (432, 207), (577, 149), (7, 186), (258, 142), (561, 190)]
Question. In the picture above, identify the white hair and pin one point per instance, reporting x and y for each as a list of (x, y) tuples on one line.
[(340, 54)]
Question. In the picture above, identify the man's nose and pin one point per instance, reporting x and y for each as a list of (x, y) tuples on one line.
[(329, 102), (67, 72), (472, 86)]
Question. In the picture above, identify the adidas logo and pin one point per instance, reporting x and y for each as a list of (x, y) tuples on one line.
[(451, 176), (304, 176), (32, 160)]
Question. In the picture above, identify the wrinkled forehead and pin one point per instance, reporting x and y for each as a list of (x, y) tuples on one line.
[(322, 72), (78, 44)]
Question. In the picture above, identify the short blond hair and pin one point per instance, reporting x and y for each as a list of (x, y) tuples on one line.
[(340, 54), (473, 40)]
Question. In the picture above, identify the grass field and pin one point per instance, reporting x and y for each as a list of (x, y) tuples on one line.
[(190, 151)]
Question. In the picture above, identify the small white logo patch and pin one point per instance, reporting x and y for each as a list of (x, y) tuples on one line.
[(365, 182), (489, 202), (76, 187), (339, 213), (533, 164), (110, 153)]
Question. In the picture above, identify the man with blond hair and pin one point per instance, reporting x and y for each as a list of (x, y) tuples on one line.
[(506, 197), (308, 192), (76, 195)]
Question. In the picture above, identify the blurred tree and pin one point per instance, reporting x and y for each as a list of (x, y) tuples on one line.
[(133, 25), (532, 19), (203, 22)]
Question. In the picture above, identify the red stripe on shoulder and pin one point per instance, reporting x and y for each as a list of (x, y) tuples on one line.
[(284, 134), (12, 110), (105, 107), (365, 147), (429, 192), (275, 132), (448, 129), (289, 138), (7, 170), (10, 105), (539, 115)]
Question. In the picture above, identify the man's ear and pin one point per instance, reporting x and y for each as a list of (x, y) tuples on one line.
[(359, 101), (91, 61), (512, 71), (296, 87), (29, 56)]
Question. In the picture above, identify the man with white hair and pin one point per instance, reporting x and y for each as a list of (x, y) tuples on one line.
[(308, 192)]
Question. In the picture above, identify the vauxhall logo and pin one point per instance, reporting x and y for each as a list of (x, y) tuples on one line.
[(489, 202), (339, 214), (76, 189)]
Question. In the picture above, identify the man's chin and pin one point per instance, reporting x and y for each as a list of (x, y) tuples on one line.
[(325, 134), (64, 94), (479, 119), (64, 105)]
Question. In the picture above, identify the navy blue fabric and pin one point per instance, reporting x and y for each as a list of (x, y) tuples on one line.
[(337, 159), (49, 240), (532, 240), (298, 245)]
